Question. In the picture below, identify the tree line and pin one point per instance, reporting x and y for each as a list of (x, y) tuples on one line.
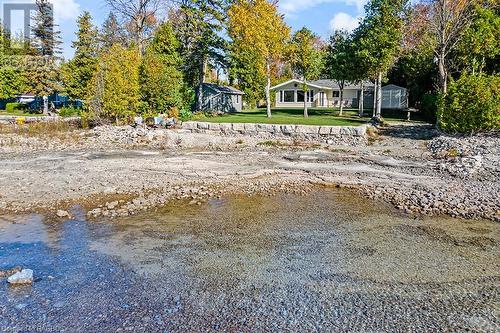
[(148, 58)]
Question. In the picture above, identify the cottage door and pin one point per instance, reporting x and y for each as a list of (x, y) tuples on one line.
[(322, 98)]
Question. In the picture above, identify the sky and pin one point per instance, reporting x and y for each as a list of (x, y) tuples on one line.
[(321, 16)]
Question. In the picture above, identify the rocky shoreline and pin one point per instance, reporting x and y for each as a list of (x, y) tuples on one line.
[(121, 171)]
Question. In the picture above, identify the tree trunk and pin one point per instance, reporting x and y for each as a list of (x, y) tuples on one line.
[(443, 73), (341, 100), (375, 91), (268, 91), (137, 36), (306, 114), (362, 100), (199, 97), (379, 97)]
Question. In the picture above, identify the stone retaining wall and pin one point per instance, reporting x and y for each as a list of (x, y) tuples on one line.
[(12, 119), (268, 130)]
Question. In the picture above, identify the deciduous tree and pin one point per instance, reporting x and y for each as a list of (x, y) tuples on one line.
[(258, 26), (380, 40), (112, 33), (447, 20), (139, 16), (307, 59), (115, 92), (340, 61)]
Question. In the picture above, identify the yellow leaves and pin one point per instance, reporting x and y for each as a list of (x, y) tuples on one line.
[(115, 91), (258, 25)]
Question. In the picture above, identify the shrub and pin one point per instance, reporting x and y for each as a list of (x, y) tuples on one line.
[(428, 106), (173, 112), (69, 112), (185, 115), (11, 107), (471, 105)]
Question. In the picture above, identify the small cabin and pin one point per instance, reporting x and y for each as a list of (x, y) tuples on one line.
[(394, 97), (217, 98)]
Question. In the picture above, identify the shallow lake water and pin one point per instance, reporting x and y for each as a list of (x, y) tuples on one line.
[(330, 261)]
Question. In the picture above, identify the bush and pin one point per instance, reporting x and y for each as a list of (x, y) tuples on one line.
[(185, 115), (428, 107), (69, 112), (12, 107), (471, 105)]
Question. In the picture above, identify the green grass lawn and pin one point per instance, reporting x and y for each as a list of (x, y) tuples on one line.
[(19, 113), (326, 117)]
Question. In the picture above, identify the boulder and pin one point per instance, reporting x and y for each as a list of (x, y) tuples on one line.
[(226, 128), (239, 127), (62, 213), (202, 126), (23, 277), (250, 128), (214, 127), (190, 125), (304, 129), (324, 130), (288, 129)]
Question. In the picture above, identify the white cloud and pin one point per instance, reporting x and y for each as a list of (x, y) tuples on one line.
[(66, 9), (291, 7), (343, 21)]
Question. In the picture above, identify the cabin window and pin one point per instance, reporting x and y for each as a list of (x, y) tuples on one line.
[(300, 96), (288, 96), (237, 99), (310, 96), (336, 94)]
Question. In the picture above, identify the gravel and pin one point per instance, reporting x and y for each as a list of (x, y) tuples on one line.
[(119, 171)]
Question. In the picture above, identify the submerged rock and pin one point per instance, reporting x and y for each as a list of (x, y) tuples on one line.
[(9, 272), (23, 277), (62, 213)]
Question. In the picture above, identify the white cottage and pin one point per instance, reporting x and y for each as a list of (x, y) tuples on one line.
[(322, 93)]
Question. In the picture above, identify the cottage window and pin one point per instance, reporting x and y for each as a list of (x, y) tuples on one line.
[(300, 96), (336, 94), (288, 96), (310, 96), (237, 99)]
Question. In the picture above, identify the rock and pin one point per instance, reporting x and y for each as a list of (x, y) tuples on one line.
[(9, 272), (23, 277), (112, 205), (62, 213)]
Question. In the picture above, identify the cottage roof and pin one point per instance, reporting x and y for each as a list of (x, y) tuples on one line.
[(223, 89), (393, 87), (326, 84)]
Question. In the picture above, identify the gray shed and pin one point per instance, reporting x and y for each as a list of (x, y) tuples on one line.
[(394, 97), (222, 98)]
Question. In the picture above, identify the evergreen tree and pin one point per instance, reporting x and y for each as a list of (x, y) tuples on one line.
[(307, 57), (42, 66), (112, 33), (160, 77), (78, 72), (198, 28)]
